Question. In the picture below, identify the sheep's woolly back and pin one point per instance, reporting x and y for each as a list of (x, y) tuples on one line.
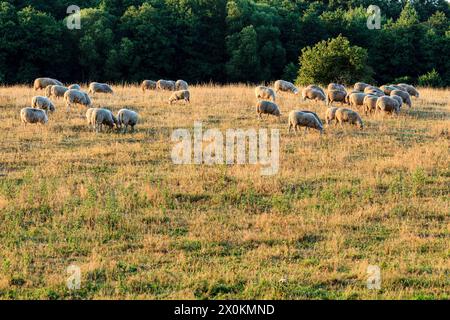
[(262, 92), (360, 86), (181, 85), (127, 117), (95, 87), (267, 107), (313, 94), (304, 119), (285, 86), (350, 116), (33, 115)]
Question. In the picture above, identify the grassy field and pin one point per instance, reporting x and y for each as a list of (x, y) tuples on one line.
[(139, 226)]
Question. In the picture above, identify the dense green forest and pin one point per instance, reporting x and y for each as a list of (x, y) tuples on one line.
[(218, 40)]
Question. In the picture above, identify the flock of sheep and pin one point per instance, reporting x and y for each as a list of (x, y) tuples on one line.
[(386, 99), (96, 117)]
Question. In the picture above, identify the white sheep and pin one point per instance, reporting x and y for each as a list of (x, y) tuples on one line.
[(180, 95), (389, 104), (285, 86), (165, 85), (58, 91), (357, 99), (404, 95), (370, 103), (313, 94), (76, 97), (95, 87), (42, 83), (410, 89), (127, 118), (48, 90), (265, 93), (89, 116), (267, 107), (336, 86), (148, 85), (44, 103), (74, 87), (330, 115), (181, 85), (33, 115), (102, 117), (336, 96), (360, 86), (304, 119), (346, 115)]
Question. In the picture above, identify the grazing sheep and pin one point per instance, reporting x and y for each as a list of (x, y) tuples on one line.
[(58, 91), (148, 85), (336, 86), (360, 86), (388, 105), (74, 87), (330, 115), (347, 97), (181, 85), (314, 114), (267, 107), (32, 115), (127, 118), (388, 89), (42, 83), (313, 94), (336, 96), (102, 117), (404, 95), (410, 89), (313, 86), (265, 93), (43, 103), (76, 97), (370, 103), (357, 99), (304, 119), (89, 116), (350, 116), (180, 95), (95, 87), (165, 85), (373, 90), (48, 90), (285, 86)]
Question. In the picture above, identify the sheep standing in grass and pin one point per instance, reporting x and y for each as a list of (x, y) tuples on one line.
[(313, 94), (148, 85), (350, 116), (304, 119), (95, 87), (374, 91), (48, 90), (265, 93), (127, 118), (165, 85), (267, 107), (58, 91), (102, 117), (370, 103), (404, 95), (330, 115), (336, 86), (336, 96), (410, 89), (313, 86), (360, 86), (388, 105), (388, 89), (357, 99), (32, 115), (285, 86), (74, 87), (347, 97), (180, 95), (76, 97), (89, 116), (43, 103), (42, 83), (314, 114), (181, 85)]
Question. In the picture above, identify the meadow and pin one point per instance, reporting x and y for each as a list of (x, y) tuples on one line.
[(141, 227)]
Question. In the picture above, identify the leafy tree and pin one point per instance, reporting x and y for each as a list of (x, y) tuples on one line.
[(334, 60), (431, 79)]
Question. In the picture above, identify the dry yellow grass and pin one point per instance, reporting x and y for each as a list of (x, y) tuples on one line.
[(139, 226)]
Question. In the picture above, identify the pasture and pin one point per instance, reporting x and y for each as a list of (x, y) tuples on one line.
[(139, 226)]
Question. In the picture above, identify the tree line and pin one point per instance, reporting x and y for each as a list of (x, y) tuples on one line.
[(225, 41)]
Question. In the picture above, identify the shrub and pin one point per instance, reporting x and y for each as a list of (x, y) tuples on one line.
[(431, 79)]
